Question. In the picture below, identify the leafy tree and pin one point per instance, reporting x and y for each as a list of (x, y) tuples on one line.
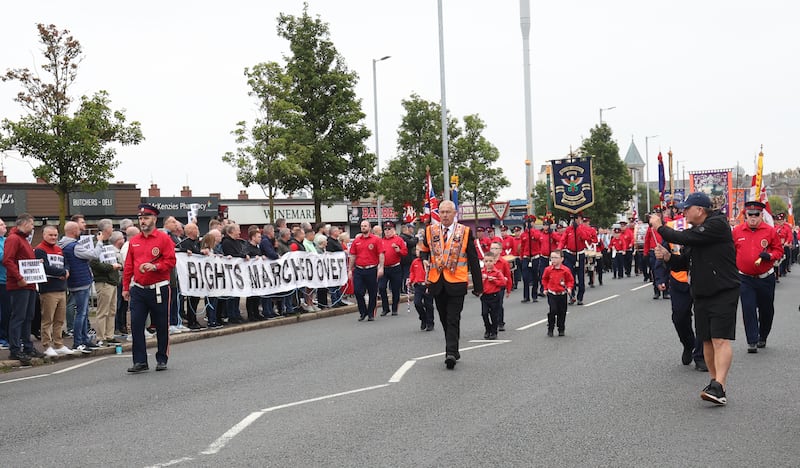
[(75, 151), (777, 204), (474, 157), (328, 138), (613, 187), (419, 145), (261, 157)]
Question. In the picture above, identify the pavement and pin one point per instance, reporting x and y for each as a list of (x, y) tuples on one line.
[(7, 365)]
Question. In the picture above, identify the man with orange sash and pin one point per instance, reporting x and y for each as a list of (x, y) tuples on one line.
[(448, 252)]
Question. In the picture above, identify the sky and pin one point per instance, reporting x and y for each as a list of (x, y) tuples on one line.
[(713, 80)]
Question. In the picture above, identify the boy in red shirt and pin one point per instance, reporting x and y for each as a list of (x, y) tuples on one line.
[(493, 283), (558, 283), (423, 301)]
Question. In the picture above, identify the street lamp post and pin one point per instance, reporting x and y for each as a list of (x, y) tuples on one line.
[(647, 168), (377, 153), (681, 165), (605, 109)]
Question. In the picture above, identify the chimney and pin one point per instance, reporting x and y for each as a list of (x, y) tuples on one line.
[(186, 191), (243, 195), (39, 180), (214, 195), (3, 177), (154, 191)]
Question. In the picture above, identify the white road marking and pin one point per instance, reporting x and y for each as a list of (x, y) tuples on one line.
[(398, 375), (231, 433), (601, 300), (642, 286), (56, 372), (171, 462), (532, 325)]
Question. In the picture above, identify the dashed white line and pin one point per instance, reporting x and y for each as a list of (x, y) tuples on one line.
[(398, 375), (532, 325), (56, 372), (171, 462), (646, 285), (231, 433), (601, 300)]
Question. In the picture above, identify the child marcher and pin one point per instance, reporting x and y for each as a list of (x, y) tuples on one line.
[(493, 283), (423, 301), (558, 284)]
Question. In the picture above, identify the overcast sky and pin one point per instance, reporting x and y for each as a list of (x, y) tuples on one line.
[(714, 80)]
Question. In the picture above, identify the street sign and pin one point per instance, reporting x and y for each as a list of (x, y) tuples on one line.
[(500, 209)]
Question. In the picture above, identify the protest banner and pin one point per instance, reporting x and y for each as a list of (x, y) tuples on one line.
[(32, 271), (215, 275), (108, 254)]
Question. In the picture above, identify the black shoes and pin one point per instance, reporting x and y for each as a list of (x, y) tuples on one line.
[(492, 336), (752, 348), (534, 299), (502, 327), (161, 366), (361, 319), (422, 325), (686, 357), (140, 367), (450, 361), (23, 358), (370, 319), (665, 296), (525, 301), (561, 333), (762, 344), (714, 393), (656, 296), (486, 335), (550, 333), (384, 313), (34, 353), (700, 366), (580, 302), (429, 327)]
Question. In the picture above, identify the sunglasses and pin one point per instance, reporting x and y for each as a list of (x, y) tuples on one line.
[(753, 213)]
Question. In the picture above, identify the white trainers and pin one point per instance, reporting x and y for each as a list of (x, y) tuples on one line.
[(50, 352), (173, 330), (63, 350), (183, 328)]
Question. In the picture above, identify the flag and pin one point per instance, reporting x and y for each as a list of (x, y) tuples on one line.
[(790, 214), (661, 180), (759, 172), (671, 189), (431, 209), (454, 194)]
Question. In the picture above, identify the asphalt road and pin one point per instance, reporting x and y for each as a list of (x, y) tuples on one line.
[(337, 392)]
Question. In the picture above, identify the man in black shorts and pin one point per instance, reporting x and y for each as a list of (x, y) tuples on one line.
[(714, 281)]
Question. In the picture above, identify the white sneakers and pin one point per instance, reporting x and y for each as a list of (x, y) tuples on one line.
[(174, 329), (63, 350), (50, 352)]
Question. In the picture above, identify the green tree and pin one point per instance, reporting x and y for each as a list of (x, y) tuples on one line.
[(261, 157), (419, 146), (613, 187), (328, 138), (473, 160), (76, 151), (777, 204)]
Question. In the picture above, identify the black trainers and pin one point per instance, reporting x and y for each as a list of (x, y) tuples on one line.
[(24, 359), (161, 366), (752, 348), (561, 333), (138, 367), (714, 393), (550, 333), (762, 344)]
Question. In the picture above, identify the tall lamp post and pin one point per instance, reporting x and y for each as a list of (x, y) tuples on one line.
[(605, 109), (377, 153), (647, 168)]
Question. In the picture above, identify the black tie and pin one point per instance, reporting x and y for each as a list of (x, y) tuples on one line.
[(445, 234)]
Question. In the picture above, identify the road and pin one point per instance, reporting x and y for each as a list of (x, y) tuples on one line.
[(337, 392)]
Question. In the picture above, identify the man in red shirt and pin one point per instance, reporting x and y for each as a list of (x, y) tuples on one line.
[(530, 252), (627, 233), (21, 293), (758, 247), (547, 244), (394, 249), (145, 285), (573, 243), (366, 266)]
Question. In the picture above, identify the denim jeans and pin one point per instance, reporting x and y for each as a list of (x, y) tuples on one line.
[(81, 324), (23, 304)]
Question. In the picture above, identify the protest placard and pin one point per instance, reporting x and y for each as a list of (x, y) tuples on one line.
[(32, 271)]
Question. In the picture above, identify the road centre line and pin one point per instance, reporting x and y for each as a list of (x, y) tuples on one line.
[(525, 327), (398, 375), (171, 462), (642, 286), (601, 300), (56, 372)]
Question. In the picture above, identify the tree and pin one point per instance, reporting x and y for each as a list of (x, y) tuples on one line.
[(474, 157), (777, 203), (613, 187), (75, 151), (328, 138), (419, 146), (643, 209), (261, 157)]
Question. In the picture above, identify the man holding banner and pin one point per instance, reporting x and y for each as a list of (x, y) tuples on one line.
[(22, 292)]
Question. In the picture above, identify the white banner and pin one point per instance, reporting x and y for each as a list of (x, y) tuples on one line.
[(32, 271), (108, 254), (215, 275)]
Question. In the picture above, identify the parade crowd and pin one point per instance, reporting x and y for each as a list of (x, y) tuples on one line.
[(705, 264)]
